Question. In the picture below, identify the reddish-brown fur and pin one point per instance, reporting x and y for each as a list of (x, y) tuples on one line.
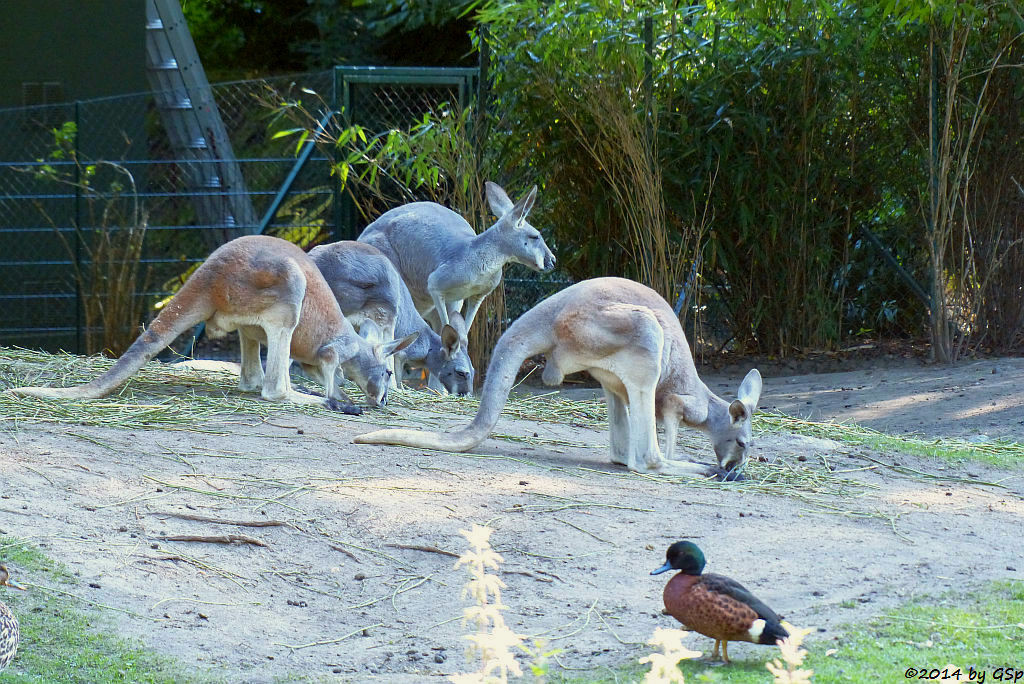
[(272, 293)]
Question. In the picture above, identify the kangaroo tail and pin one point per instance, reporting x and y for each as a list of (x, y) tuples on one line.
[(185, 310), (521, 341)]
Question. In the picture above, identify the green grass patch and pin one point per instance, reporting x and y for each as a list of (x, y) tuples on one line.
[(1001, 453), (63, 639), (982, 629)]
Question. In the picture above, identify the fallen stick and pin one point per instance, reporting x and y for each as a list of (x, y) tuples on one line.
[(216, 539), (344, 551), (425, 549), (219, 521), (528, 574)]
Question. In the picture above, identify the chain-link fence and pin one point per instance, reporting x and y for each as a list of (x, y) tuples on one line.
[(78, 181), (72, 176)]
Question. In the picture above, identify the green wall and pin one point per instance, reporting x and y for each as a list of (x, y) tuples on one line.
[(92, 47)]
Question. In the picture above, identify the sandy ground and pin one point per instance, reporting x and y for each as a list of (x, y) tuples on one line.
[(333, 594)]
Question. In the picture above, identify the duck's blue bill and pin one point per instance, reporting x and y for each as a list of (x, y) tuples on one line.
[(664, 568)]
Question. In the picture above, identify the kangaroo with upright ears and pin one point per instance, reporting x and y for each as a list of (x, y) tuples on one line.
[(272, 293), (445, 263), (629, 339), (368, 288)]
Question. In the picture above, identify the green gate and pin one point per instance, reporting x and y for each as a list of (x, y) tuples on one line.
[(383, 98)]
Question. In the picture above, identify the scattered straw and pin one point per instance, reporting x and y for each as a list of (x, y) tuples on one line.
[(864, 436), (360, 630)]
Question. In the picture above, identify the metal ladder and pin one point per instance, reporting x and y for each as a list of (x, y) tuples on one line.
[(193, 123)]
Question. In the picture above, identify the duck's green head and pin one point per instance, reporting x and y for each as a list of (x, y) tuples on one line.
[(683, 556)]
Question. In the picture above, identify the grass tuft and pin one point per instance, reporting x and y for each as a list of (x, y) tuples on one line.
[(63, 640), (1004, 453), (981, 629)]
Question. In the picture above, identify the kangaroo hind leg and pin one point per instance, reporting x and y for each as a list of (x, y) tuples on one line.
[(250, 378), (279, 321), (618, 429), (621, 345)]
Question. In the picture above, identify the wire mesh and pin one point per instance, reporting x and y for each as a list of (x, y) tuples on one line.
[(67, 173), (66, 176)]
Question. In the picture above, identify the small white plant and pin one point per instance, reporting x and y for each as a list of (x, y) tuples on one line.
[(493, 641), (665, 665), (788, 670)]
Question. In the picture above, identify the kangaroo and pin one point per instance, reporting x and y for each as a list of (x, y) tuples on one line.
[(368, 287), (271, 292), (445, 264), (630, 341)]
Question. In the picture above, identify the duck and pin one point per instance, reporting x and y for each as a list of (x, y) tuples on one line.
[(9, 633), (714, 605)]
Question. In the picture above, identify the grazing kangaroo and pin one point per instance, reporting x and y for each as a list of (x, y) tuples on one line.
[(630, 341), (368, 288), (271, 292), (445, 264)]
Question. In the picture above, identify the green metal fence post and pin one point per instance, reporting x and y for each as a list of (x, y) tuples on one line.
[(79, 346), (300, 162), (336, 182)]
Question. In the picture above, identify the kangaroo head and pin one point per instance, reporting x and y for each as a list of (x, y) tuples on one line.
[(367, 369), (523, 243), (457, 372), (732, 435)]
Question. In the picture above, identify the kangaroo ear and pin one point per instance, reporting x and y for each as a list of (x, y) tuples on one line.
[(747, 397), (738, 412), (449, 341), (498, 199), (398, 345), (523, 206), (456, 321)]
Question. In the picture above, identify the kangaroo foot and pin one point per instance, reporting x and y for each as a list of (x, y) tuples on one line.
[(347, 408), (684, 468), (733, 475)]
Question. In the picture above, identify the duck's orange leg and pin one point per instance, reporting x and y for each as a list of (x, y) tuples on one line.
[(725, 651), (714, 653)]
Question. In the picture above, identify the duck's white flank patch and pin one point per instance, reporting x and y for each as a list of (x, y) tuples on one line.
[(756, 628)]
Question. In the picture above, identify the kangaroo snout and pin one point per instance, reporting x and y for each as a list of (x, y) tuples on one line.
[(549, 262), (463, 383), (458, 381)]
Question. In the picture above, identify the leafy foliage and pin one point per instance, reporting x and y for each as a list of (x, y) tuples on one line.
[(104, 245), (239, 38), (786, 131), (748, 160)]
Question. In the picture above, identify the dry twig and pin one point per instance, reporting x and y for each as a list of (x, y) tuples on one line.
[(240, 523), (216, 539), (425, 549)]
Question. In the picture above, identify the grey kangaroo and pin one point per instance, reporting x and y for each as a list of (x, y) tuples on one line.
[(445, 264), (629, 339), (368, 288), (272, 293)]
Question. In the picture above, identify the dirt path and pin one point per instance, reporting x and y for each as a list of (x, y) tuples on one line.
[(333, 593)]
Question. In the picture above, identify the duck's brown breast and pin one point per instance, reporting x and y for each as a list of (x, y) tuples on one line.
[(718, 616)]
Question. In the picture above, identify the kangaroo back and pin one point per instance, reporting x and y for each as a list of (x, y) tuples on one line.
[(187, 308), (362, 279), (417, 238)]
